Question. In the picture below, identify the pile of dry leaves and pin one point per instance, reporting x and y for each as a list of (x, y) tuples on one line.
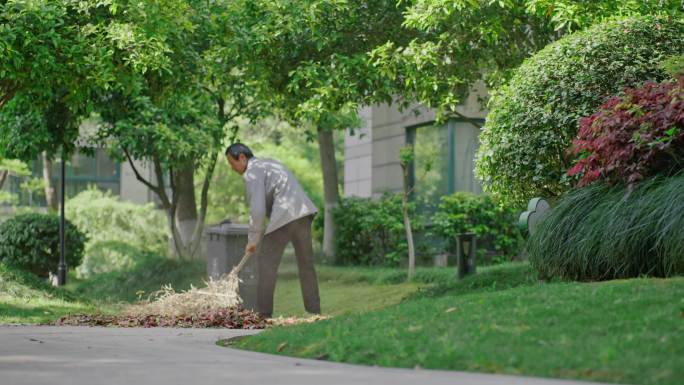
[(232, 318), (217, 305)]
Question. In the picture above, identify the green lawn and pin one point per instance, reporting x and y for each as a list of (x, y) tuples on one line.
[(146, 277), (502, 321), (342, 290), (25, 299)]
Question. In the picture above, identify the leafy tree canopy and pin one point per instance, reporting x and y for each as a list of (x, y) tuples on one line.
[(460, 43)]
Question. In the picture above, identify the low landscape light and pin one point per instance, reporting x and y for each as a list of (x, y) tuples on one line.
[(465, 254)]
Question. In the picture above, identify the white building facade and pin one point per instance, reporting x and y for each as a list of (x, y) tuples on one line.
[(372, 168)]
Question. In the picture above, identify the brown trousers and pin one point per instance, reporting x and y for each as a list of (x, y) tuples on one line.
[(268, 259)]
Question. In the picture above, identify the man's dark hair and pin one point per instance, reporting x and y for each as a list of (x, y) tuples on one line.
[(235, 149)]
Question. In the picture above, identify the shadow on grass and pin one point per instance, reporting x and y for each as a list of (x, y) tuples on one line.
[(148, 275), (487, 279)]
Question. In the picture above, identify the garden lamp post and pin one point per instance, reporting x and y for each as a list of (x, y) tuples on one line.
[(465, 254), (61, 269)]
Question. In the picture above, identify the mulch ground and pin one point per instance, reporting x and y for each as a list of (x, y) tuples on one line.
[(231, 318)]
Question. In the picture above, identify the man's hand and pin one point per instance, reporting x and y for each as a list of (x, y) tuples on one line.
[(250, 248)]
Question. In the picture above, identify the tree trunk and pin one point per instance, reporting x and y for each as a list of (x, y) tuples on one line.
[(326, 148), (407, 224), (50, 197), (3, 177), (186, 211)]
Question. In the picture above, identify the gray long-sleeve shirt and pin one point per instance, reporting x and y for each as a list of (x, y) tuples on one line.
[(273, 192)]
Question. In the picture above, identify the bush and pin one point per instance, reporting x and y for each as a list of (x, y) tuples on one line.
[(31, 242), (119, 232), (371, 232), (498, 238), (634, 136), (533, 119), (601, 232)]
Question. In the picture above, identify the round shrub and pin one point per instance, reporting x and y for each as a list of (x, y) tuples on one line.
[(602, 232), (634, 136), (31, 242), (493, 224), (534, 118)]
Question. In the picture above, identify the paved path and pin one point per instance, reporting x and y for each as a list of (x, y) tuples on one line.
[(38, 355)]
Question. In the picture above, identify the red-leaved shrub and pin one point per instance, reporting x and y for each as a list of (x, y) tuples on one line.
[(633, 136)]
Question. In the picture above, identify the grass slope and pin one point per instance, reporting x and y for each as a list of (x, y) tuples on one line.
[(628, 331), (26, 299), (147, 276)]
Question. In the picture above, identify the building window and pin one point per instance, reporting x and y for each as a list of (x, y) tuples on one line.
[(82, 171), (450, 149)]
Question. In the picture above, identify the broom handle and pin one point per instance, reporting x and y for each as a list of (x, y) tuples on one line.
[(242, 263)]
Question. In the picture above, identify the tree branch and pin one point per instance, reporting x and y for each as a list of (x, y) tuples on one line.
[(3, 177), (468, 119), (159, 173), (204, 203), (7, 95), (137, 174), (172, 216)]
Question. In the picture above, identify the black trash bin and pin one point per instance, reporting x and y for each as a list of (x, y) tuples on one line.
[(225, 247)]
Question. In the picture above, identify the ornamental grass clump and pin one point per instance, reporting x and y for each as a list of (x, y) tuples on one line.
[(602, 232)]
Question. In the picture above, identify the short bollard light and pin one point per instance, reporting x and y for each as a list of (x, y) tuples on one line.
[(465, 254)]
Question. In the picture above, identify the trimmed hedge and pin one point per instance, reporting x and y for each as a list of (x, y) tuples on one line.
[(601, 232), (498, 237), (371, 232), (533, 119), (31, 242)]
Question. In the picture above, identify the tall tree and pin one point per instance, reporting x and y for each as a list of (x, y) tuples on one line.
[(177, 118), (313, 56), (53, 55), (44, 47), (461, 43)]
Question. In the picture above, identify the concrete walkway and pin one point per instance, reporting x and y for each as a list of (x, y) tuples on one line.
[(38, 355)]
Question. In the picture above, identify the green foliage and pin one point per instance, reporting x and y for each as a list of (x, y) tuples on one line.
[(632, 137), (14, 167), (55, 55), (674, 66), (8, 198), (601, 232), (406, 156), (570, 15), (118, 232), (370, 231), (313, 54), (493, 224), (533, 119), (31, 242), (44, 47), (457, 45), (27, 129)]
